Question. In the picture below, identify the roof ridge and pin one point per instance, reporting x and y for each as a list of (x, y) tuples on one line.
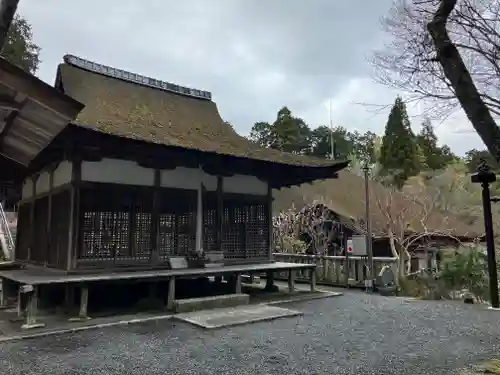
[(136, 78)]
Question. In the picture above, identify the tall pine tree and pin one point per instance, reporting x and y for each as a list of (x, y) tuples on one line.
[(435, 157), (399, 153)]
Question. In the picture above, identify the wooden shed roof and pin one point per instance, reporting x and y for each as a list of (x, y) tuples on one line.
[(346, 197)]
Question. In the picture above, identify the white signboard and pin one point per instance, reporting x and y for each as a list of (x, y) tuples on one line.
[(357, 244)]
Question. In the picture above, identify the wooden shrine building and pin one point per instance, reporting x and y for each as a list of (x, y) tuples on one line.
[(148, 171)]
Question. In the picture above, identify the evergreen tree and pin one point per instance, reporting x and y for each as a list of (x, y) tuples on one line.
[(435, 157), (399, 154), (287, 133), (19, 48)]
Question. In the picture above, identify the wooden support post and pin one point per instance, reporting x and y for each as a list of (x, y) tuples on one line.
[(75, 227), (313, 279), (20, 302), (3, 294), (291, 281), (155, 218), (6, 293), (132, 225), (31, 242), (84, 302), (31, 307), (199, 218), (270, 220), (219, 212), (171, 293), (237, 284), (360, 274), (49, 218), (270, 287)]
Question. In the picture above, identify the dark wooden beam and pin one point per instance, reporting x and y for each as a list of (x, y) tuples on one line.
[(155, 218), (49, 217), (87, 153), (31, 242), (9, 121), (75, 203), (217, 170), (164, 163), (219, 212), (270, 219)]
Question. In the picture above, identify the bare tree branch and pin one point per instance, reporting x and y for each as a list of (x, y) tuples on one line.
[(447, 53)]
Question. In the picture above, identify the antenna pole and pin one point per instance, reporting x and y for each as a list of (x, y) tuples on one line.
[(332, 147)]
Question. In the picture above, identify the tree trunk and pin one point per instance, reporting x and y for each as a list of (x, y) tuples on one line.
[(395, 254), (460, 79), (7, 11)]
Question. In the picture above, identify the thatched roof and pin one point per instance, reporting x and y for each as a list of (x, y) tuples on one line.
[(135, 111), (346, 197)]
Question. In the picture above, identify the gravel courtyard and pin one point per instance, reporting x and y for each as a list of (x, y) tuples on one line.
[(352, 334)]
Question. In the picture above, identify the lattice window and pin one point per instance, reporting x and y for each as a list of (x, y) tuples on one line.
[(116, 224), (245, 227), (186, 233), (166, 235), (210, 221), (257, 231), (177, 222), (105, 235), (233, 232), (142, 239)]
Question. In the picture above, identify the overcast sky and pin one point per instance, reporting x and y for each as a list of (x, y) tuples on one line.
[(254, 56)]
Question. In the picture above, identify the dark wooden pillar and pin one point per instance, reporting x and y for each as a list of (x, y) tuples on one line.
[(155, 218), (48, 250), (74, 217), (219, 212), (132, 224), (32, 216), (270, 218)]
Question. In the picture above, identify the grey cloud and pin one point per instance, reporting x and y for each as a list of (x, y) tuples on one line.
[(255, 56)]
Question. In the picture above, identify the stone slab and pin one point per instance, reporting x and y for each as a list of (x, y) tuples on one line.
[(228, 317), (178, 263), (213, 265), (212, 302), (215, 256)]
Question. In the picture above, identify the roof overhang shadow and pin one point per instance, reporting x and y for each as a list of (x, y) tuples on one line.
[(32, 113)]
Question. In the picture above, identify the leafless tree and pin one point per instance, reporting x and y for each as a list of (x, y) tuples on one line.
[(446, 52), (410, 219)]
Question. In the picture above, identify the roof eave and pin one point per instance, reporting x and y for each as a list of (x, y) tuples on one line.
[(33, 113), (305, 174)]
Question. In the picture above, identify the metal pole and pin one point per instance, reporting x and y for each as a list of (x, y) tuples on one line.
[(368, 236), (490, 244), (332, 148), (485, 177)]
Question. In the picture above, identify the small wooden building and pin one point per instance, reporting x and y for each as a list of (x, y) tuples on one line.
[(149, 171)]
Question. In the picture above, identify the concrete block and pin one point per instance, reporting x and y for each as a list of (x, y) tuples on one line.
[(213, 302)]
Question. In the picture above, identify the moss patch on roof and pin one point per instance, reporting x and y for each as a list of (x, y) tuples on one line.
[(133, 111)]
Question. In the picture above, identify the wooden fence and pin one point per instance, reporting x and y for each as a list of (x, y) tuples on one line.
[(335, 270)]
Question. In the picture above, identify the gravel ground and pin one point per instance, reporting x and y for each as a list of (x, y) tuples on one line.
[(352, 334)]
